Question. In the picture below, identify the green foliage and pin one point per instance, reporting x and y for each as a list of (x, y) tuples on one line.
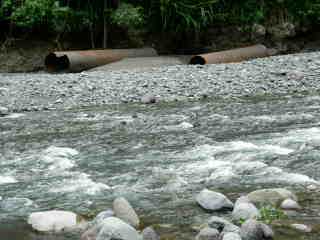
[(128, 16), (268, 214), (183, 14)]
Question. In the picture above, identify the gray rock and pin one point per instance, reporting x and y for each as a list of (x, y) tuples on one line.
[(3, 111), (251, 230), (148, 99), (254, 230), (208, 234), (52, 221), (149, 234), (231, 236), (301, 228), (213, 201), (290, 204), (267, 231), (114, 228), (222, 225), (244, 210), (103, 215), (124, 211), (272, 196), (90, 234)]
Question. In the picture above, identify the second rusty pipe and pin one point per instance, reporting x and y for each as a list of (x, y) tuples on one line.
[(233, 55)]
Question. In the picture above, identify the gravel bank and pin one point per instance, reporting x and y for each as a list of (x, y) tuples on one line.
[(274, 75)]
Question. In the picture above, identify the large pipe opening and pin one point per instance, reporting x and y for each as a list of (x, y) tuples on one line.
[(57, 64), (197, 60)]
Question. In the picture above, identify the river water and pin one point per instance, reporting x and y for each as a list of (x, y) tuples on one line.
[(157, 156)]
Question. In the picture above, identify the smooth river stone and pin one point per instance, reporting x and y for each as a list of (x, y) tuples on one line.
[(124, 211), (52, 221), (213, 201), (114, 228)]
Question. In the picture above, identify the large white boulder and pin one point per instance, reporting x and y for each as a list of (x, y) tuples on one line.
[(52, 221), (272, 196), (213, 201), (123, 210), (115, 228)]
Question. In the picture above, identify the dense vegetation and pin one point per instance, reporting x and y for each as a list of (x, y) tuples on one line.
[(96, 17)]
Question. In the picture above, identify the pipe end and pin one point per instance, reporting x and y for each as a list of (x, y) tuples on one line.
[(197, 60), (54, 63)]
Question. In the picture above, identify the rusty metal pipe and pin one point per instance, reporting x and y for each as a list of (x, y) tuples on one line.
[(234, 55), (77, 61)]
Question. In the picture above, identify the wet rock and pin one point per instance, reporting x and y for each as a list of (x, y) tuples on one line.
[(90, 234), (208, 234), (272, 196), (244, 211), (3, 111), (149, 99), (114, 228), (103, 215), (52, 221), (254, 230), (222, 225), (231, 236), (301, 228), (213, 201), (290, 204), (150, 234), (125, 212)]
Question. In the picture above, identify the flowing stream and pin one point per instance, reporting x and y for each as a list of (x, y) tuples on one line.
[(157, 156)]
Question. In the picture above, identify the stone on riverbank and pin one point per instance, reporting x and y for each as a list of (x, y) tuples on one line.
[(125, 212), (213, 201), (301, 228), (244, 210), (103, 215), (208, 234), (290, 204), (272, 196), (150, 234), (254, 230), (222, 225), (52, 221), (114, 228), (231, 236)]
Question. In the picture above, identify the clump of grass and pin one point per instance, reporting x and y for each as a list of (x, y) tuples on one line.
[(268, 214)]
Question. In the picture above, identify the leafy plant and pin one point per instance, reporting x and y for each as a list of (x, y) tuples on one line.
[(268, 214)]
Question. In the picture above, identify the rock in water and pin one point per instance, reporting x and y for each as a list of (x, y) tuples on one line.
[(290, 204), (208, 234), (148, 99), (272, 196), (52, 221), (103, 215), (124, 211), (3, 111), (149, 234), (213, 201), (114, 228), (231, 236)]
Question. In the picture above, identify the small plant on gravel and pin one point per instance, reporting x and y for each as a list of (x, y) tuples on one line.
[(268, 214)]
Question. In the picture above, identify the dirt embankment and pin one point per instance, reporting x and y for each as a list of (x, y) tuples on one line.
[(27, 55)]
